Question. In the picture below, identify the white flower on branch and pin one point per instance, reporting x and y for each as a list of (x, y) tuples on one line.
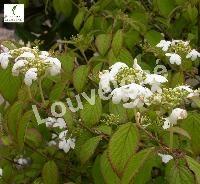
[(4, 59), (54, 65), (193, 55), (30, 76), (175, 115), (174, 58), (164, 45), (165, 158), (155, 81)]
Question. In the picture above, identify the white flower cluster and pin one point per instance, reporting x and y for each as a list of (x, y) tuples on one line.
[(145, 92), (32, 63), (140, 86), (61, 140), (177, 50)]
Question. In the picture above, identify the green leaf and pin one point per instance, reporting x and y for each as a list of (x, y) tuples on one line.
[(33, 137), (192, 13), (78, 20), (14, 115), (121, 146), (50, 173), (126, 57), (90, 114), (177, 79), (88, 25), (118, 110), (195, 167), (117, 42), (164, 6), (22, 127), (134, 164), (56, 92), (108, 174), (105, 129), (103, 42), (179, 174), (131, 38), (153, 37), (63, 6), (67, 59), (9, 85), (192, 125), (96, 171), (88, 149), (80, 77)]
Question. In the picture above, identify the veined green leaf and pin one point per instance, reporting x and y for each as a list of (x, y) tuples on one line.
[(80, 77), (22, 127), (78, 20), (108, 174), (192, 126), (117, 42), (195, 167), (90, 114), (134, 164), (122, 146), (88, 148), (9, 85), (50, 173), (13, 117), (102, 43)]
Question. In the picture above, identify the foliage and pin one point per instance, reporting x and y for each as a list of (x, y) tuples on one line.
[(106, 142)]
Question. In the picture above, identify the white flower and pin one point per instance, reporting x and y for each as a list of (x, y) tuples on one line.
[(1, 172), (115, 69), (60, 122), (193, 55), (25, 55), (137, 94), (65, 145), (17, 66), (63, 134), (136, 66), (164, 45), (174, 58), (167, 123), (44, 54), (155, 81), (50, 121), (30, 75), (165, 158), (104, 83), (3, 48), (175, 115), (4, 59), (21, 162), (52, 143), (119, 94), (55, 65)]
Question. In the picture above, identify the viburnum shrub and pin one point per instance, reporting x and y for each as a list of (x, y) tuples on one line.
[(116, 102)]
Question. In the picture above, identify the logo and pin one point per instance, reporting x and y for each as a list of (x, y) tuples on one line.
[(13, 12)]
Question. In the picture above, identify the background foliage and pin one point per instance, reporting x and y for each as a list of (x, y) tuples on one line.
[(118, 30)]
